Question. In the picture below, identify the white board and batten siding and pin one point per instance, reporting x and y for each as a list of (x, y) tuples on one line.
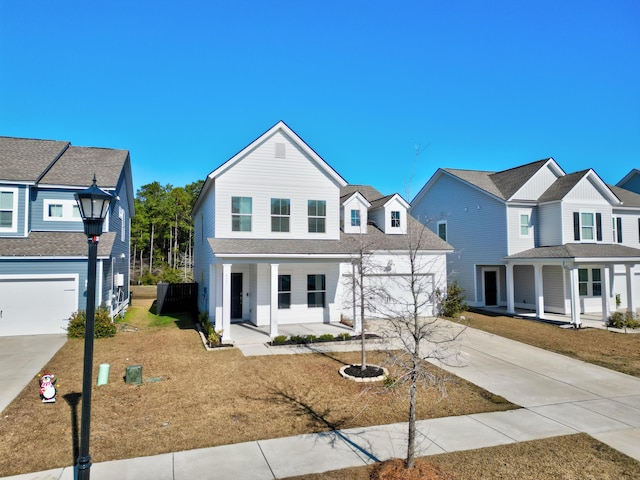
[(263, 176), (538, 183)]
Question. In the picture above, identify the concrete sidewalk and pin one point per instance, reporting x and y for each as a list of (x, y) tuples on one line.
[(560, 395)]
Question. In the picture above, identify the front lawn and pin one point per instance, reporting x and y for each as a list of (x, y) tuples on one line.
[(192, 398)]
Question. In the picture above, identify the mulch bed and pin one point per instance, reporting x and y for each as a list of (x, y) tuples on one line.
[(369, 372)]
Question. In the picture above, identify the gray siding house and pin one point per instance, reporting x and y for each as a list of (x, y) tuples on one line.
[(631, 181), (533, 237), (43, 248)]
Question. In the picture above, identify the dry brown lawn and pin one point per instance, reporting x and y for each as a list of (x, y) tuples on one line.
[(617, 351), (192, 398), (574, 457)]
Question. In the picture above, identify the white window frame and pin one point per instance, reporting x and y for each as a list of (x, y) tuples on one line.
[(356, 218), (68, 207), (284, 293), (589, 283), (317, 291), (240, 214), (123, 230), (281, 216), (521, 225), (614, 224), (316, 218), (593, 227), (396, 219), (446, 229), (14, 211)]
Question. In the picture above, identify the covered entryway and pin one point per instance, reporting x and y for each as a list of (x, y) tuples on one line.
[(236, 296), (32, 305)]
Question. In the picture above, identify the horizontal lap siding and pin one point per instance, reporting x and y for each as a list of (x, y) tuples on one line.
[(554, 288), (550, 224), (519, 243), (38, 223), (476, 228), (524, 286), (262, 177), (204, 227)]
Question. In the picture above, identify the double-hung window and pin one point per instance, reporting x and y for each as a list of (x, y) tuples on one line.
[(317, 214), (355, 218), (524, 224), (284, 291), (316, 291), (8, 207), (587, 226), (241, 214), (590, 282), (395, 219), (280, 214)]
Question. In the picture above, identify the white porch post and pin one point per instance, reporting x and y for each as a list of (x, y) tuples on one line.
[(226, 302), (274, 301), (606, 306), (575, 297), (537, 274), (510, 293), (215, 296), (631, 304)]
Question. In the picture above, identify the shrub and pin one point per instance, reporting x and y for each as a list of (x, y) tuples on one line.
[(453, 302), (310, 339), (279, 340), (103, 325), (343, 336), (327, 337), (296, 339), (623, 320)]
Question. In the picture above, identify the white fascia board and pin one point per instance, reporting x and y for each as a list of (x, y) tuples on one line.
[(356, 196), (208, 184), (602, 187), (16, 182), (50, 257), (552, 164)]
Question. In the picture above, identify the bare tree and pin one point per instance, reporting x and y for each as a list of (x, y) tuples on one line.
[(407, 303)]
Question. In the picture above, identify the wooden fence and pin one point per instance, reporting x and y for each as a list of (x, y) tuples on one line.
[(177, 297)]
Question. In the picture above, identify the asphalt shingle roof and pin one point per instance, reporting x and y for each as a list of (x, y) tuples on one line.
[(54, 244), (579, 250), (562, 186), (628, 198), (510, 181), (24, 159)]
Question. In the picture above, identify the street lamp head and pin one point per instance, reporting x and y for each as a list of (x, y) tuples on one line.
[(93, 203)]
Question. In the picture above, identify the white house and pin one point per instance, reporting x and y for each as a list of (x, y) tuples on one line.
[(276, 230), (534, 237)]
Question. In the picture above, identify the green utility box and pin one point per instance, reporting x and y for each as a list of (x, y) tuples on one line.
[(133, 374)]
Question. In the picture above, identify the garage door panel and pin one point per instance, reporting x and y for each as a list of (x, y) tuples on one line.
[(36, 306)]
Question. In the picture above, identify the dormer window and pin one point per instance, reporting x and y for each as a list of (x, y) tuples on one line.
[(395, 219), (355, 218)]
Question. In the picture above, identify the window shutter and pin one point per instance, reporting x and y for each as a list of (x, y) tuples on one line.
[(599, 227), (576, 226), (619, 228)]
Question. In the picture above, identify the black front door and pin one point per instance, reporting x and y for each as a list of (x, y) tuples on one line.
[(236, 295), (490, 288)]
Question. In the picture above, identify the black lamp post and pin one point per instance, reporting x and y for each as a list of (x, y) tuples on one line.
[(94, 204)]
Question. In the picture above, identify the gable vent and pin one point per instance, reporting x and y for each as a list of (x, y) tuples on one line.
[(280, 151)]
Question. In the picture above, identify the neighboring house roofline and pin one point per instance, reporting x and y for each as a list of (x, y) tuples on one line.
[(44, 172), (456, 175), (580, 252), (564, 185), (628, 176)]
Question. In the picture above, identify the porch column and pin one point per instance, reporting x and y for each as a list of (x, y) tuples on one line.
[(274, 301), (539, 292), (606, 306), (226, 302), (631, 303), (510, 294), (575, 297)]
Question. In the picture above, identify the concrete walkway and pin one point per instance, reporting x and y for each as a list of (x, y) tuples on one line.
[(559, 395)]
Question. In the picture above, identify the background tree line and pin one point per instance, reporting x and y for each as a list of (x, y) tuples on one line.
[(162, 233)]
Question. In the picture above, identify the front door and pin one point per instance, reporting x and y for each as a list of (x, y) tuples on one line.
[(490, 288), (236, 295)]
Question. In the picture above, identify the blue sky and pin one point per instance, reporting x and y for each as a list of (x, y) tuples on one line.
[(185, 85)]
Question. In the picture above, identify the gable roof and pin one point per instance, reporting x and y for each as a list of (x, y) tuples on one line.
[(563, 185), (628, 176), (510, 181), (627, 197), (286, 130), (52, 162), (25, 159)]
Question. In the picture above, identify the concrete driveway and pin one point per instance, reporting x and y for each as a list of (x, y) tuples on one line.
[(21, 359)]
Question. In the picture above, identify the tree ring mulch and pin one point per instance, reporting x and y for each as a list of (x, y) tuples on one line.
[(372, 373)]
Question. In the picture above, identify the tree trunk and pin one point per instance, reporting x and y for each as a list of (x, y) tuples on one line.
[(151, 249), (363, 363), (411, 440)]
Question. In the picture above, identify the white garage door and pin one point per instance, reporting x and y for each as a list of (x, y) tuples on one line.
[(31, 306)]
